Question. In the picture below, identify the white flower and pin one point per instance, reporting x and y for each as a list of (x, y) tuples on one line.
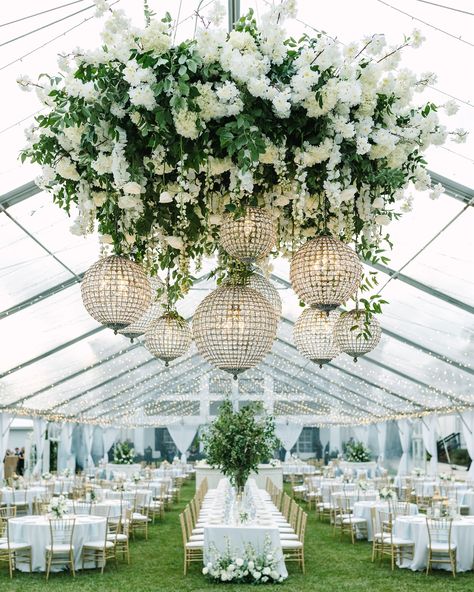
[(102, 164), (128, 202), (363, 145), (451, 107), (185, 123), (156, 37), (66, 169), (281, 104), (382, 219), (142, 96), (135, 74), (106, 239), (239, 561), (133, 188), (165, 197), (416, 38), (205, 570), (175, 242), (24, 82), (436, 191), (99, 198), (378, 203), (459, 135)]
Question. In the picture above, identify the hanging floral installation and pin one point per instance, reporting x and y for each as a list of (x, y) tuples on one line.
[(156, 143)]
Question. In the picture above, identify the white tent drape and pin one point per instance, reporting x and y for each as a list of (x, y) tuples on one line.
[(381, 439), (468, 433), (362, 434), (324, 436), (39, 434), (139, 441), (183, 435), (5, 422), (404, 429), (88, 433), (429, 429), (109, 435), (65, 457), (335, 440), (288, 433)]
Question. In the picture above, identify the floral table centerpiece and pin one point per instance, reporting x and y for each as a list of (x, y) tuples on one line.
[(387, 494), (67, 473), (417, 472), (124, 453), (46, 476), (238, 441), (58, 506), (357, 452)]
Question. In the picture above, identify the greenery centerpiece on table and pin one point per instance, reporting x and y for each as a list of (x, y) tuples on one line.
[(357, 452), (238, 441), (124, 453)]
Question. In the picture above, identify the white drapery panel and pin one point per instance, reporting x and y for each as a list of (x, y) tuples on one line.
[(404, 430), (183, 434), (381, 439), (5, 422), (65, 456), (288, 433), (468, 433), (39, 434), (88, 433), (362, 434), (429, 430), (324, 436), (335, 441), (139, 440), (109, 435)]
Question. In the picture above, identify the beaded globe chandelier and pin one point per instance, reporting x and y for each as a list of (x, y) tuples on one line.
[(325, 273), (313, 335), (265, 287), (353, 336), (116, 292), (234, 328), (250, 236), (153, 313), (169, 337)]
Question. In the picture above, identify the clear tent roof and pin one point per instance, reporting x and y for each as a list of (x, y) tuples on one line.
[(58, 360)]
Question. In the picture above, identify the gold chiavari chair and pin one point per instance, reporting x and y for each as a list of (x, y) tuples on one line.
[(140, 518), (441, 548), (119, 534), (100, 551), (377, 534), (82, 508), (193, 550), (60, 550), (294, 549), (394, 547), (13, 552), (20, 501), (347, 522)]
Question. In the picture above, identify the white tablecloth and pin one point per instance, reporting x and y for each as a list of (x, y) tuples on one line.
[(32, 494), (467, 498), (414, 528), (143, 496), (35, 531), (110, 508), (297, 469), (363, 510), (221, 537)]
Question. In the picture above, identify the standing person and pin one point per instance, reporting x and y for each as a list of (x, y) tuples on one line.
[(21, 461)]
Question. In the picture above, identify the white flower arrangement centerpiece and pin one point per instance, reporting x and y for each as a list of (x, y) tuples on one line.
[(58, 506), (248, 567), (46, 476), (417, 472), (136, 478), (155, 142), (124, 453), (357, 452), (387, 494), (363, 485), (17, 481), (67, 472)]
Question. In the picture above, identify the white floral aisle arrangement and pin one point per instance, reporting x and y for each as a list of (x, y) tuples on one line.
[(58, 506), (124, 453), (156, 142), (248, 567)]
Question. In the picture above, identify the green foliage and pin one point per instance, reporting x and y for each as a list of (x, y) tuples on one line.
[(237, 442), (357, 452)]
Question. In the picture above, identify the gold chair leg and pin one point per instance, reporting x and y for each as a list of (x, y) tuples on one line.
[(71, 558)]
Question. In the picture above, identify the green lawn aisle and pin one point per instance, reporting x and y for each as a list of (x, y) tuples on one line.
[(157, 566)]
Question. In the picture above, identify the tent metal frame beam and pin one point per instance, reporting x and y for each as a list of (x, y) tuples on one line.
[(453, 189), (19, 194)]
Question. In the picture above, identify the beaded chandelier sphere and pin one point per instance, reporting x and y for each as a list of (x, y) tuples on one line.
[(348, 333), (313, 335), (234, 328), (153, 313), (249, 237), (325, 273), (258, 282), (116, 292), (168, 338)]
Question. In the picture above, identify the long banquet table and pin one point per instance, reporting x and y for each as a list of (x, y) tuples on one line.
[(222, 533)]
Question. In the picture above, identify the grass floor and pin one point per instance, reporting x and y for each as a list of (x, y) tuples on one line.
[(157, 565)]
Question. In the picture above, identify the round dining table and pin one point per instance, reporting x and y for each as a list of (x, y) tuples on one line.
[(142, 496), (109, 508), (9, 496), (415, 529), (362, 509), (35, 531)]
